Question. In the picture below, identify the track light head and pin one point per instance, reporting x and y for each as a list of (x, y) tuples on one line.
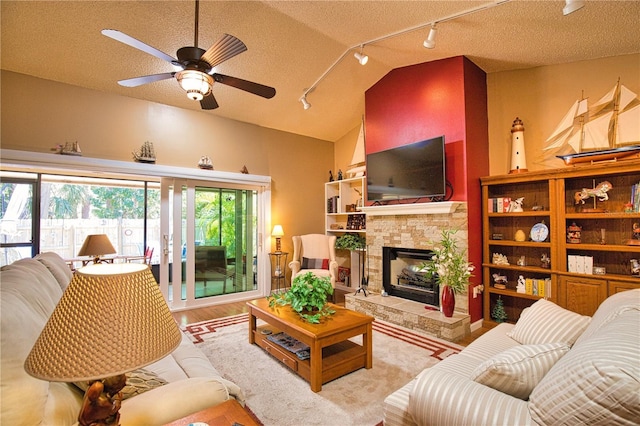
[(571, 6), (361, 57), (305, 104), (430, 42)]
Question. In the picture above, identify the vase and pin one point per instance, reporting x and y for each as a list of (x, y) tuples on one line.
[(448, 301)]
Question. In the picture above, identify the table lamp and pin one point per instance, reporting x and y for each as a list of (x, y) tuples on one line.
[(277, 232), (111, 319), (96, 245)]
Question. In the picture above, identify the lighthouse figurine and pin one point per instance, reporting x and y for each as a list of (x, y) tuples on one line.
[(518, 159)]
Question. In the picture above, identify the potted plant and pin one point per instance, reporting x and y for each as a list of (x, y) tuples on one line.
[(351, 241), (451, 270), (307, 296)]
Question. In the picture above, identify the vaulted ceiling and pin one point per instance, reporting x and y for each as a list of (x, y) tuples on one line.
[(293, 44)]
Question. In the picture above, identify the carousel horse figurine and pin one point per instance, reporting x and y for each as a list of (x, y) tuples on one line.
[(599, 191)]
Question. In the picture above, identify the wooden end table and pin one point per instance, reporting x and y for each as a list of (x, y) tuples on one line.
[(332, 354), (228, 413)]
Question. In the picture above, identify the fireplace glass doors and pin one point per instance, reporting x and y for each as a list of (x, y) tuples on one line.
[(402, 275)]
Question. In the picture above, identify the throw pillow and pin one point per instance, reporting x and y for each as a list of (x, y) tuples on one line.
[(518, 370), (546, 322), (138, 381), (310, 263)]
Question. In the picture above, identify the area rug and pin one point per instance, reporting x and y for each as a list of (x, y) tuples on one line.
[(279, 397)]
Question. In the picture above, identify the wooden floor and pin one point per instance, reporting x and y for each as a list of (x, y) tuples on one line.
[(228, 309)]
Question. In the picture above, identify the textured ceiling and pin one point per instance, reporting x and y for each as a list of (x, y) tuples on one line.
[(292, 43)]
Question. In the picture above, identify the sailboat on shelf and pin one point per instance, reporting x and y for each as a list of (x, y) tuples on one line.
[(606, 130)]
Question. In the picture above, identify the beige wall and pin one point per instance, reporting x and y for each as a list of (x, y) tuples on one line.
[(37, 114), (542, 96)]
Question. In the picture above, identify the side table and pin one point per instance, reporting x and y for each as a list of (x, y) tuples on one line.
[(226, 414), (279, 269)]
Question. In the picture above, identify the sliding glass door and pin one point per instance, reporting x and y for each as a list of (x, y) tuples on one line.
[(211, 241)]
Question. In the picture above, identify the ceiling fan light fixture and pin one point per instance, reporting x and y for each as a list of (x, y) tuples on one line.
[(197, 84), (430, 42), (571, 6)]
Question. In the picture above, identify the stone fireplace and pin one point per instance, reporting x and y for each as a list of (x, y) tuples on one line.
[(414, 228)]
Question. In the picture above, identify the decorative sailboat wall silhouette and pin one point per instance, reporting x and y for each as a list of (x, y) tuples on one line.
[(605, 130), (358, 167)]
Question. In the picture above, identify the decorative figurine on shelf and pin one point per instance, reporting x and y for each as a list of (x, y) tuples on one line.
[(244, 170), (331, 179), (339, 174), (635, 235), (520, 236), (635, 267), (574, 234), (68, 149), (515, 206), (205, 163), (498, 313), (500, 281), (545, 261), (520, 288), (499, 259), (599, 192), (522, 261), (146, 154)]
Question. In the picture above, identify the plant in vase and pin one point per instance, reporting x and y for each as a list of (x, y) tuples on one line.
[(450, 268), (307, 296)]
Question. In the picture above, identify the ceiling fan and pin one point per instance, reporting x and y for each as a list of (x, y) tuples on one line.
[(195, 67)]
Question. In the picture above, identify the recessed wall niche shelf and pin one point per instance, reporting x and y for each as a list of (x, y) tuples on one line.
[(553, 193)]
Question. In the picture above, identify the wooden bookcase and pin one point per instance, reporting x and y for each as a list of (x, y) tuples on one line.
[(552, 192)]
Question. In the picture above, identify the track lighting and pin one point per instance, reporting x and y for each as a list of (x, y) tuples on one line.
[(361, 57), (305, 104), (430, 42), (571, 6)]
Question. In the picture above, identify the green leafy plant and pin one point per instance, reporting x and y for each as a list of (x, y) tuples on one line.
[(307, 296), (351, 241), (448, 264)]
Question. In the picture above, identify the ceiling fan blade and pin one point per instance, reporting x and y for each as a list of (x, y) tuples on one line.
[(209, 102), (247, 86), (225, 48), (130, 41), (139, 81)]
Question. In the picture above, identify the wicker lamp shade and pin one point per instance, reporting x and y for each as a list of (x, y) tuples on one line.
[(111, 319)]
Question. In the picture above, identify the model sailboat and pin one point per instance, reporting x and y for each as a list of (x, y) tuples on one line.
[(606, 130)]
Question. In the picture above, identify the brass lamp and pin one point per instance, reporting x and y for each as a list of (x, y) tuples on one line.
[(111, 319), (96, 245), (278, 233)]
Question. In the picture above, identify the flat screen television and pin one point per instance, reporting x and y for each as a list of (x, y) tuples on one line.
[(416, 170)]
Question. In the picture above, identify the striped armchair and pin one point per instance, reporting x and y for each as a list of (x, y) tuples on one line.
[(552, 367)]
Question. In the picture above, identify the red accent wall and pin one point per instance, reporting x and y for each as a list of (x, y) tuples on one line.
[(445, 97)]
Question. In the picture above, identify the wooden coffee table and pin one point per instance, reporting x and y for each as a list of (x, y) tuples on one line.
[(332, 354)]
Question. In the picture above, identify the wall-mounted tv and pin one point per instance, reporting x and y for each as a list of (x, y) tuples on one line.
[(416, 170)]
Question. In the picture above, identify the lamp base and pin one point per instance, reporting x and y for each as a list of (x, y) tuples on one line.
[(101, 403)]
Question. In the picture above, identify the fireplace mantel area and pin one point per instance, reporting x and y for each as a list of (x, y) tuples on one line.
[(411, 226)]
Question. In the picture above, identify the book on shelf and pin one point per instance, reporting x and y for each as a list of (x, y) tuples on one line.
[(498, 204)]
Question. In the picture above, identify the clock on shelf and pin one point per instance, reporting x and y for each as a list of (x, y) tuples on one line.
[(539, 232)]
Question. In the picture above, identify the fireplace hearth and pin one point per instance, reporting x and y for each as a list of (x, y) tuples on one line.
[(402, 275)]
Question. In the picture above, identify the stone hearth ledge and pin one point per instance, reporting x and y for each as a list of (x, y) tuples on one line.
[(411, 315)]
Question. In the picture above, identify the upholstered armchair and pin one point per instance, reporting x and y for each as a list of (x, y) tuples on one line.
[(314, 253)]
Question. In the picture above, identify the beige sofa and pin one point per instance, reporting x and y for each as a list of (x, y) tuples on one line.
[(554, 367), (29, 291)]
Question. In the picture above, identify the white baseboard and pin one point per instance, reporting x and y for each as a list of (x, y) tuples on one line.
[(476, 325)]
